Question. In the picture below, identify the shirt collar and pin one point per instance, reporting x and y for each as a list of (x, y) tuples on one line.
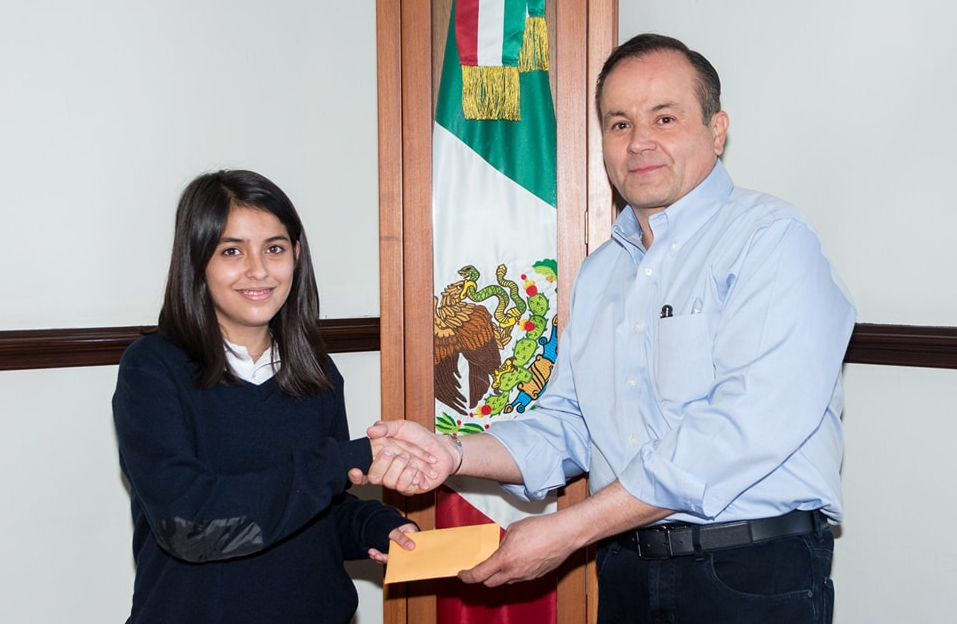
[(242, 365), (684, 217)]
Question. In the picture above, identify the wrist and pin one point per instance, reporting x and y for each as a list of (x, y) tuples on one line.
[(459, 451)]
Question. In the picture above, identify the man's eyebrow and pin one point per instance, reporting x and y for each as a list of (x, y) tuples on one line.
[(663, 106), (654, 109), (612, 114)]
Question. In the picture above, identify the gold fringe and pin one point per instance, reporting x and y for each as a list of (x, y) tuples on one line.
[(534, 54), (490, 92)]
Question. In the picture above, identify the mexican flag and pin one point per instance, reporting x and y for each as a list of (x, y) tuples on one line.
[(495, 243)]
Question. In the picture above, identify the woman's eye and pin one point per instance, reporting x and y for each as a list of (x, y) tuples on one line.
[(230, 251), (275, 249)]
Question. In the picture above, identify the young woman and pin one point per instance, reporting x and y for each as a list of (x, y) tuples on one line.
[(232, 428)]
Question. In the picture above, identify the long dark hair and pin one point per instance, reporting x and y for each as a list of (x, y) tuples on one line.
[(188, 317)]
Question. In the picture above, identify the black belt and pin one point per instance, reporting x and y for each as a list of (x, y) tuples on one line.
[(675, 540)]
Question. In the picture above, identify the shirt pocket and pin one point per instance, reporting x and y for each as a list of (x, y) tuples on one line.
[(685, 369)]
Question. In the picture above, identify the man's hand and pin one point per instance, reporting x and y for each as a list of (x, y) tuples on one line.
[(405, 463), (531, 548), (535, 546), (408, 458)]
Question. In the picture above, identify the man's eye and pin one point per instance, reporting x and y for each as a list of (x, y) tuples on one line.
[(666, 120)]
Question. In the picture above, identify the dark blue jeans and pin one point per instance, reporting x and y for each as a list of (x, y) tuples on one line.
[(783, 581)]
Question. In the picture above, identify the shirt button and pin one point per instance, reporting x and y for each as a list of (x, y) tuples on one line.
[(634, 440), (649, 271), (639, 327), (632, 382)]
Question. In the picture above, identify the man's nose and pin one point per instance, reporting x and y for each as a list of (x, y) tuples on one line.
[(641, 139)]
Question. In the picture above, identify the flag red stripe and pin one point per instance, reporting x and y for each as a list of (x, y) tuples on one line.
[(466, 30), (531, 602)]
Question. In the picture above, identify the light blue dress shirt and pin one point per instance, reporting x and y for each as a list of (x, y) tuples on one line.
[(728, 409)]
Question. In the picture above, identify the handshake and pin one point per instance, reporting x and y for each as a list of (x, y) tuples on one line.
[(408, 458)]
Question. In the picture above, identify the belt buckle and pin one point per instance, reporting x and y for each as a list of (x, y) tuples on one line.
[(650, 552)]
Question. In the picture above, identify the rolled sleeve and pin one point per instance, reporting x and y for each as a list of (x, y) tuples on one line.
[(550, 444)]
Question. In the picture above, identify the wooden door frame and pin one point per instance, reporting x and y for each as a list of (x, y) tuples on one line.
[(409, 44)]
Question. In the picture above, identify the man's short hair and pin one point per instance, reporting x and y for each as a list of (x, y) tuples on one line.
[(708, 83)]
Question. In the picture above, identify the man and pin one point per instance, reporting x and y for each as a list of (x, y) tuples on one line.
[(697, 382)]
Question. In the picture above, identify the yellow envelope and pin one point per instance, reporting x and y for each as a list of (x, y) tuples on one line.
[(441, 553)]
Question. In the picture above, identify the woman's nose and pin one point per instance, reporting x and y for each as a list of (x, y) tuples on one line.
[(256, 267)]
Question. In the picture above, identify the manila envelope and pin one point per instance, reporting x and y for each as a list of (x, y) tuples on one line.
[(442, 552)]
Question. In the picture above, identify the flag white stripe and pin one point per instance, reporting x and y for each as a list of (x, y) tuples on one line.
[(491, 29), (474, 203), (501, 507)]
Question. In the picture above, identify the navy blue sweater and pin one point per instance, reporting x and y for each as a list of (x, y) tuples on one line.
[(238, 496)]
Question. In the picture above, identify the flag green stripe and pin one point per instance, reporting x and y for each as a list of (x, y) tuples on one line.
[(536, 8), (533, 164), (513, 27)]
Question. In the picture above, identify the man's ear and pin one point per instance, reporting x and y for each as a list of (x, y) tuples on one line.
[(719, 130)]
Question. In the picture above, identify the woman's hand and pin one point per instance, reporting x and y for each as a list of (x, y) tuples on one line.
[(406, 465), (398, 535)]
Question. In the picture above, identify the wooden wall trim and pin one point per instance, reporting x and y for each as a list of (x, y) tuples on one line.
[(100, 346), (886, 345), (405, 30), (903, 345), (585, 33)]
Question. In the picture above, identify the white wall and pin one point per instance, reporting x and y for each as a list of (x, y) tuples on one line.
[(893, 561), (845, 107), (110, 107), (107, 109)]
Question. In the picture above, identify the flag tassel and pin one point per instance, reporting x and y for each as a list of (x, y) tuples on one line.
[(534, 53), (490, 92)]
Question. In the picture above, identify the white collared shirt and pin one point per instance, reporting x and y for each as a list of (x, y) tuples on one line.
[(243, 366)]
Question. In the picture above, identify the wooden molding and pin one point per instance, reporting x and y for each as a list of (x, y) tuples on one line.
[(59, 348), (886, 345), (903, 345), (100, 346)]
